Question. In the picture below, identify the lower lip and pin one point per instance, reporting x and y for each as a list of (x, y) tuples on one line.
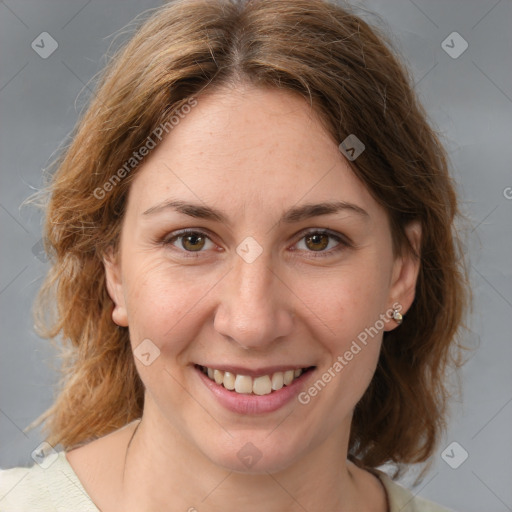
[(254, 404)]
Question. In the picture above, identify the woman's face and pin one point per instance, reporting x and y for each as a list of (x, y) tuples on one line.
[(271, 280)]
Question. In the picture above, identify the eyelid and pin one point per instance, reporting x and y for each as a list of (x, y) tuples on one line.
[(326, 231), (187, 231)]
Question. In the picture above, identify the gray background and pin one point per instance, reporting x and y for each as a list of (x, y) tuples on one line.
[(469, 100)]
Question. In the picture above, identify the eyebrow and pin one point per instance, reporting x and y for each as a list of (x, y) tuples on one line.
[(294, 214)]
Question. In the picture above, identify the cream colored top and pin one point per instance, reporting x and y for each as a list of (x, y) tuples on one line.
[(58, 489)]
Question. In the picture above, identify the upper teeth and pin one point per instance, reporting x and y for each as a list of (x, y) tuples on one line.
[(262, 385)]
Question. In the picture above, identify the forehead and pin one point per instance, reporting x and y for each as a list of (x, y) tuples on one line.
[(248, 147)]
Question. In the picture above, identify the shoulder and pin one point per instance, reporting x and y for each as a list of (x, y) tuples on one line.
[(403, 500), (50, 485)]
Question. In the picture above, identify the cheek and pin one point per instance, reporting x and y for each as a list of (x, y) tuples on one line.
[(163, 301), (350, 303), (346, 300)]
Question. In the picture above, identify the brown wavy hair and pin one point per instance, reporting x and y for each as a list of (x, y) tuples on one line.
[(350, 75)]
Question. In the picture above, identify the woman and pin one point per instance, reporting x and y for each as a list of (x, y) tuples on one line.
[(255, 268)]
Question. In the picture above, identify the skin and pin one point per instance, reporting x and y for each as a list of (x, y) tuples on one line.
[(251, 153)]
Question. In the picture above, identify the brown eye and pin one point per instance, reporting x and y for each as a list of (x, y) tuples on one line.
[(192, 242), (320, 243), (317, 241), (189, 243)]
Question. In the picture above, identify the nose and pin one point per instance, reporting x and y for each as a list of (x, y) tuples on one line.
[(256, 305)]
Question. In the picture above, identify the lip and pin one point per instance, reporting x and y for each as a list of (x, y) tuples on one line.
[(254, 404)]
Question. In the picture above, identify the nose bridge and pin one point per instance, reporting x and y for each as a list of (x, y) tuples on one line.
[(254, 310), (253, 283)]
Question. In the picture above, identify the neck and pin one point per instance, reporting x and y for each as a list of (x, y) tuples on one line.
[(322, 480)]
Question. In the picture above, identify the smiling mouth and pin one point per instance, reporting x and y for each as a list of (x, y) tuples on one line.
[(261, 385)]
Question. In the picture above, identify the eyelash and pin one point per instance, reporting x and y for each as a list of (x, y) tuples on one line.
[(343, 242)]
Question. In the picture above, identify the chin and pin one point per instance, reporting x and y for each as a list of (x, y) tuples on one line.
[(253, 454)]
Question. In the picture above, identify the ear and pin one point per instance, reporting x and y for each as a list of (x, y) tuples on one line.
[(113, 278), (405, 272)]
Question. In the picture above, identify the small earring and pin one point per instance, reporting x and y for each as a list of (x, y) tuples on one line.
[(397, 317)]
